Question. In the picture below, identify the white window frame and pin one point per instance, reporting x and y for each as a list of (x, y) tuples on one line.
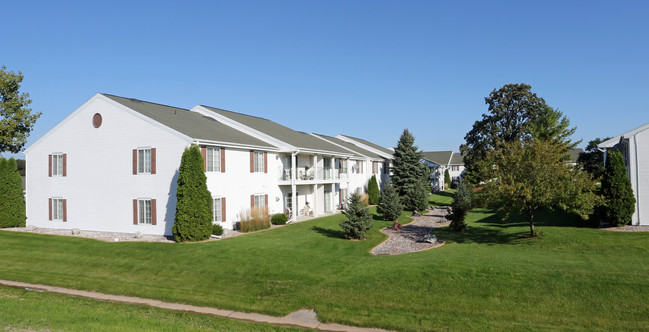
[(216, 206), (144, 215), (343, 166), (375, 167), (213, 156), (57, 164), (144, 161), (258, 159), (260, 200), (57, 209)]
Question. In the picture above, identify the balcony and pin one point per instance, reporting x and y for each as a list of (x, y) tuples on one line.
[(311, 175)]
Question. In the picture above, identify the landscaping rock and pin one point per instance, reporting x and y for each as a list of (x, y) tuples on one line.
[(138, 235), (396, 226), (416, 214), (429, 238), (76, 231)]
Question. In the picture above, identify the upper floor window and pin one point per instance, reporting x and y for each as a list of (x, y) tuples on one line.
[(258, 161), (144, 161), (455, 168), (375, 167), (342, 165), (58, 164), (213, 159)]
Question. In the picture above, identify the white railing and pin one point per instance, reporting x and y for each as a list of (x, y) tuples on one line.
[(311, 174)]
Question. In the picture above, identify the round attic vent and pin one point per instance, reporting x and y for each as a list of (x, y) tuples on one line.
[(96, 120)]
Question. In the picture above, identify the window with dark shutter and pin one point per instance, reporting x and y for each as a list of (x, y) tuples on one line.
[(222, 161)]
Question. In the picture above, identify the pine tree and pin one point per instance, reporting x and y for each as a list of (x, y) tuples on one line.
[(409, 175), (358, 221), (193, 220), (373, 191), (461, 206), (12, 199), (617, 191), (389, 205)]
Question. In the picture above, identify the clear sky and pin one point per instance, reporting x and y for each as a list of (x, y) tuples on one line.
[(361, 68)]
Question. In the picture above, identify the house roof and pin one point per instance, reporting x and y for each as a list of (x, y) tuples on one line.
[(295, 138), (438, 157), (613, 141), (358, 151), (457, 159), (574, 154), (192, 124), (370, 144)]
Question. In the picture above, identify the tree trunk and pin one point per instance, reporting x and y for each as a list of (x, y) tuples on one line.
[(530, 217)]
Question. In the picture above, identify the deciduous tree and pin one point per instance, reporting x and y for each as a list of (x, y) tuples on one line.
[(193, 220), (16, 118), (592, 160)]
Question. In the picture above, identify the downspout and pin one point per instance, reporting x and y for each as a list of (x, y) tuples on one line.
[(293, 186)]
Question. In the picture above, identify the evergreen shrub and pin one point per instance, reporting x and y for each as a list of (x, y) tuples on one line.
[(279, 219), (358, 220), (617, 191), (365, 199), (254, 219), (217, 229), (447, 179), (461, 206), (193, 221), (373, 191), (12, 199)]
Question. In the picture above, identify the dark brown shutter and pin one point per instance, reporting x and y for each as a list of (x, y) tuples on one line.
[(252, 201), (135, 212), (50, 203), (152, 160), (265, 162), (134, 161), (340, 166), (340, 196), (49, 173), (65, 165), (222, 160), (65, 208), (223, 209), (266, 200), (204, 154), (362, 163), (252, 161), (153, 212)]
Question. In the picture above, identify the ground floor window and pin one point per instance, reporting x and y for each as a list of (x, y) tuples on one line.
[(260, 201), (219, 209), (58, 209), (144, 211)]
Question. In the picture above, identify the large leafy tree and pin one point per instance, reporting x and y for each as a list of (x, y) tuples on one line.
[(592, 160), (616, 188), (12, 200), (515, 113), (409, 175), (529, 175), (16, 118), (193, 220)]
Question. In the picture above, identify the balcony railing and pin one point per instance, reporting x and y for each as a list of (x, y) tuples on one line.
[(311, 174)]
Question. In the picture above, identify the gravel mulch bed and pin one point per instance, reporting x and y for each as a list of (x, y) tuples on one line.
[(408, 239), (627, 228), (109, 236)]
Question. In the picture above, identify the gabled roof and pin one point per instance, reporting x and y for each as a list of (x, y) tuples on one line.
[(613, 141), (457, 159), (357, 150), (287, 135), (370, 144), (438, 157), (574, 154), (192, 124)]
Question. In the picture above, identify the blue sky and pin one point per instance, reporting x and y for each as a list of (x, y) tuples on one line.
[(361, 68)]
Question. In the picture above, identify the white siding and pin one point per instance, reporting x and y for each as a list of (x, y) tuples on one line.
[(100, 185), (641, 185)]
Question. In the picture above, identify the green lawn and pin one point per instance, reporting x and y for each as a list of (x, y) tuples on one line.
[(22, 309), (485, 279), (442, 198)]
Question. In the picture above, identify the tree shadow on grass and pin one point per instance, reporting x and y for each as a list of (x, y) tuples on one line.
[(333, 233), (477, 235)]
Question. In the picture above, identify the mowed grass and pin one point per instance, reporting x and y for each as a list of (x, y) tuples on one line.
[(30, 310), (488, 278)]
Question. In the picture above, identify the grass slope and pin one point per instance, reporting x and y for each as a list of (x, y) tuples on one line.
[(485, 279), (31, 310)]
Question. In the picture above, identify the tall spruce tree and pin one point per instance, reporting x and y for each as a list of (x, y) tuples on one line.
[(616, 188), (12, 200), (409, 175), (193, 220), (373, 191), (461, 206), (389, 205)]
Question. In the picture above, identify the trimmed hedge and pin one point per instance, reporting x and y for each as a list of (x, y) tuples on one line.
[(12, 200), (217, 229), (279, 219)]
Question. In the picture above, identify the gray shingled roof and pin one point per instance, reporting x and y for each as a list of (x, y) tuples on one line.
[(574, 154), (438, 157), (192, 124), (357, 150), (370, 144), (282, 133), (457, 159)]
